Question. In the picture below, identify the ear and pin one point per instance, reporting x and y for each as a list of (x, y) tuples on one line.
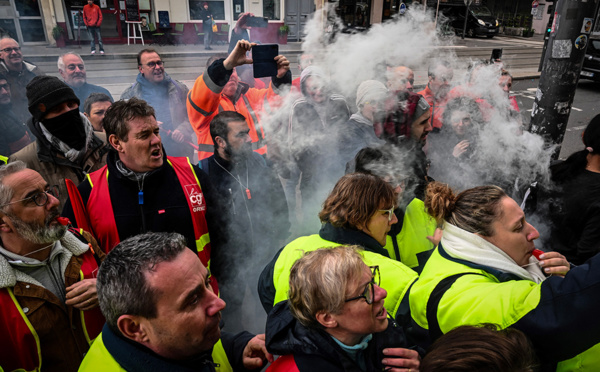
[(132, 328), (326, 319), (115, 142), (5, 227), (221, 142), (140, 70), (86, 114)]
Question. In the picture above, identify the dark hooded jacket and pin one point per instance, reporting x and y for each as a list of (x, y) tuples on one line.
[(316, 350), (42, 157)]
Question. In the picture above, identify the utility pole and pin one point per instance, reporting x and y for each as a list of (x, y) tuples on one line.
[(571, 29)]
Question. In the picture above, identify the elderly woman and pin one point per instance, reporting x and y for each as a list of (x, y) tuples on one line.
[(359, 211), (335, 320), (484, 271)]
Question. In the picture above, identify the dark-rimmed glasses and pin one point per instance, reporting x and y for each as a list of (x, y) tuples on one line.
[(369, 292), (154, 64), (390, 212), (40, 199), (10, 50)]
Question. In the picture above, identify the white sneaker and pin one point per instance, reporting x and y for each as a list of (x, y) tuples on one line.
[(101, 52), (93, 52)]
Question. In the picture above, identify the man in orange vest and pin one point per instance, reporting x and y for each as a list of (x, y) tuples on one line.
[(142, 189), (50, 312), (219, 89)]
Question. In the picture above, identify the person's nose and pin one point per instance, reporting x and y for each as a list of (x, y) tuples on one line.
[(53, 202), (3, 89), (394, 219), (533, 234), (380, 293), (428, 126), (409, 85), (215, 304)]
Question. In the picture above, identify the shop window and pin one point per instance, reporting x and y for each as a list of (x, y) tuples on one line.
[(32, 30), (7, 28), (272, 9), (217, 9), (28, 8)]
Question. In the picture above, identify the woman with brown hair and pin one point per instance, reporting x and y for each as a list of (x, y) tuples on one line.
[(359, 211), (484, 271)]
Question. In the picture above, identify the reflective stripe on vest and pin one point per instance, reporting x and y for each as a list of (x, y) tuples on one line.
[(412, 239), (3, 159), (19, 343), (92, 320), (20, 348), (396, 278)]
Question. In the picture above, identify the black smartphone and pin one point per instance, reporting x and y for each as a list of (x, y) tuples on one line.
[(263, 60), (257, 22)]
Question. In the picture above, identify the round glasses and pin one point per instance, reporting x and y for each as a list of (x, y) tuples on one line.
[(369, 292), (40, 198)]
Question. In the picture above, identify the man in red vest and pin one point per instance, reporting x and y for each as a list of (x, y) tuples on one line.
[(141, 189), (50, 312)]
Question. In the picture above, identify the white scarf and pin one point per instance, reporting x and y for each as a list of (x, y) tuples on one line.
[(467, 246), (72, 154)]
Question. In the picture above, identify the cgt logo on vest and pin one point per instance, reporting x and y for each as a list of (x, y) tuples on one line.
[(196, 198)]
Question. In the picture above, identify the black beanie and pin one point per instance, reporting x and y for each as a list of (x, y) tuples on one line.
[(46, 92)]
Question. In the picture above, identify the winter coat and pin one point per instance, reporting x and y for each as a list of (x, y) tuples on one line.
[(168, 100), (315, 350), (84, 91), (18, 82), (62, 340), (205, 100)]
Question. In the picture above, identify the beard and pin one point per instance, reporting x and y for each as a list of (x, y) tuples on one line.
[(37, 234), (238, 155)]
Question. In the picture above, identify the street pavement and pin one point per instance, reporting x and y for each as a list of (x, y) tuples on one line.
[(117, 69)]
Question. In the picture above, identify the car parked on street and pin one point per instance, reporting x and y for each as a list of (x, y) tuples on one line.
[(591, 62), (480, 22)]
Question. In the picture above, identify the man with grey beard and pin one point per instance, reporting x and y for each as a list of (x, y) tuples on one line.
[(72, 69), (48, 296)]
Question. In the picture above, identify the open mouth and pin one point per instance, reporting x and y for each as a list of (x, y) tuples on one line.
[(382, 314), (156, 153)]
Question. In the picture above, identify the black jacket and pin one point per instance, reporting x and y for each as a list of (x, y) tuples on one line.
[(315, 350), (165, 208), (135, 357), (257, 225)]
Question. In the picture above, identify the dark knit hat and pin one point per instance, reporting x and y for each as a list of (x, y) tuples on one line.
[(46, 92)]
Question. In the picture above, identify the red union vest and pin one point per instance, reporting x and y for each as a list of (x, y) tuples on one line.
[(20, 348), (101, 219)]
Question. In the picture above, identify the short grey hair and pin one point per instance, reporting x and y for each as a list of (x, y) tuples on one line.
[(121, 284), (61, 63), (6, 193), (319, 281)]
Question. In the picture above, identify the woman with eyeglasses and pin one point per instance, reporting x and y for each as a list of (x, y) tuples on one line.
[(359, 211), (486, 270), (335, 319)]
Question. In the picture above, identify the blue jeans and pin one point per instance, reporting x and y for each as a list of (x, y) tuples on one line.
[(208, 36), (95, 34)]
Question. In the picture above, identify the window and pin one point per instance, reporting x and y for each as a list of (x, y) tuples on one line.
[(217, 8), (272, 9)]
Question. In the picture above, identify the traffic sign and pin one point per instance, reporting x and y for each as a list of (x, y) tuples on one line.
[(402, 8), (535, 4)]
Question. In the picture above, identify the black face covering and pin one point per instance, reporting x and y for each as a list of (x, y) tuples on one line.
[(68, 128)]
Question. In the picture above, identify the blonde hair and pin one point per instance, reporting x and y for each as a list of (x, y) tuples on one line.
[(319, 281)]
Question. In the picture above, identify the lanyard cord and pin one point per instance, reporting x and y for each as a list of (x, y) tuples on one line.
[(238, 177)]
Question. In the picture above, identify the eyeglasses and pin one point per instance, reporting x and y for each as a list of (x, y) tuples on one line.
[(10, 50), (390, 212), (153, 64), (73, 67), (41, 198), (369, 292)]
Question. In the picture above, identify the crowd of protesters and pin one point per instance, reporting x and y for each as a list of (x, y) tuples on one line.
[(144, 234)]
